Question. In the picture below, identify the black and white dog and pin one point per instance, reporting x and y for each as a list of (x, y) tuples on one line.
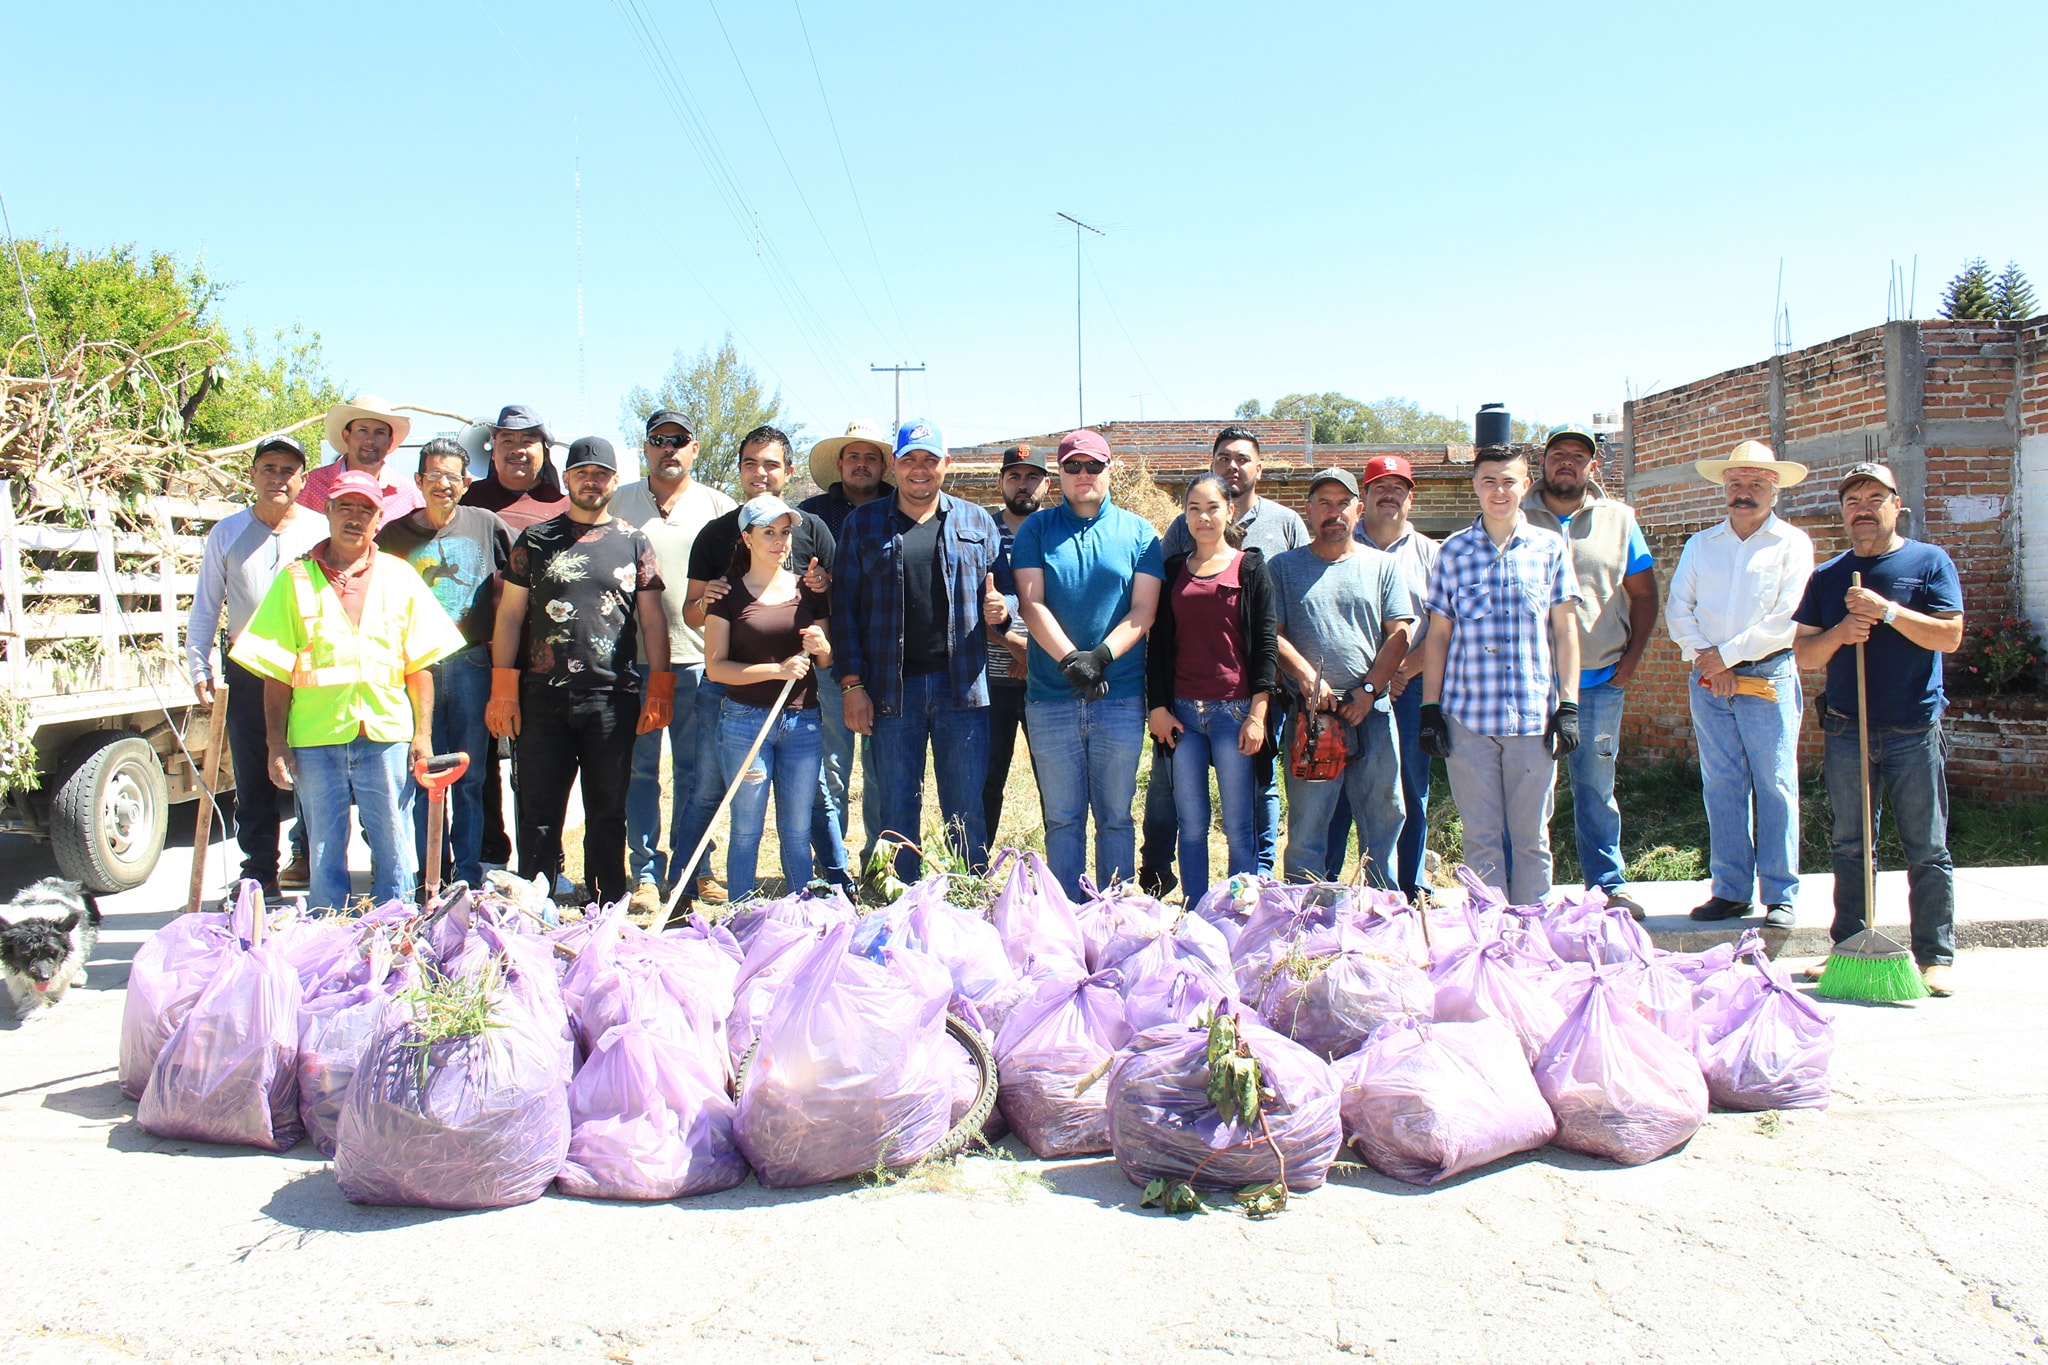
[(46, 937)]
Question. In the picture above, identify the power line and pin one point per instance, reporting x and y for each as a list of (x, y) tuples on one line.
[(899, 371), (1132, 340), (1080, 404)]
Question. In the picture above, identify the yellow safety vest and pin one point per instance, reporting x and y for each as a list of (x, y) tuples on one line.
[(347, 679)]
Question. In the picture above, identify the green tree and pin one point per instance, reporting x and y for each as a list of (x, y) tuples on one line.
[(722, 397), (1339, 420), (262, 389), (1970, 294), (2012, 296)]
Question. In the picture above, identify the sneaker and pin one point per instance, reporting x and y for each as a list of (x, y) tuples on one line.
[(709, 891), (1625, 901), (644, 904), (296, 875), (1813, 973), (1720, 907), (1940, 980), (1779, 916), (1157, 882)]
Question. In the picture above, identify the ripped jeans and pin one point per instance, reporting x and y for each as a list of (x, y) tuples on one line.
[(787, 765)]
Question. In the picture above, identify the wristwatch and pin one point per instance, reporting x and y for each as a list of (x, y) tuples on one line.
[(1369, 687), (1891, 612)]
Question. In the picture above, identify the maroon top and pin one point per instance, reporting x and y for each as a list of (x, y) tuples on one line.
[(768, 635), (1208, 660)]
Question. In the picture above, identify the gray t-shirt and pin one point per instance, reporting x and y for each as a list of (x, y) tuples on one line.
[(1335, 614), (1269, 528)]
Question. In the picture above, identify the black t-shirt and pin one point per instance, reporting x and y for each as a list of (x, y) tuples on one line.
[(582, 627), (459, 563), (760, 634), (924, 595), (711, 554), (1903, 679)]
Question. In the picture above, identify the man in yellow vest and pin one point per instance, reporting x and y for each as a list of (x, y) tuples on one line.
[(343, 641)]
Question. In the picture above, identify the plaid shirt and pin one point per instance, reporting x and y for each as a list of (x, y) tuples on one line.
[(867, 599), (1500, 678)]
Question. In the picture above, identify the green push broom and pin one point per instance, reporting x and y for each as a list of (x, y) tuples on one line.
[(1869, 965)]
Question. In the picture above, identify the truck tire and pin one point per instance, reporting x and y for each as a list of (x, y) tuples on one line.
[(109, 812)]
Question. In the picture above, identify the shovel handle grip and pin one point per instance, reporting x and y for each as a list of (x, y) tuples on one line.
[(440, 772)]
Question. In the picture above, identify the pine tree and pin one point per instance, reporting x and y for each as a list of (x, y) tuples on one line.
[(2012, 296), (1969, 294)]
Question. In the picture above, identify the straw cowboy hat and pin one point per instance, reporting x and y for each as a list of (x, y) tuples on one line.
[(365, 405), (1752, 455), (825, 454)]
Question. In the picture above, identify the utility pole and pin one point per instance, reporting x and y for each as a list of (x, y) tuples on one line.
[(899, 371), (1141, 405), (1080, 406)]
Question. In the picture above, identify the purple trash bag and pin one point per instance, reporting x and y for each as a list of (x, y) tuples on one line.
[(1168, 983), (334, 1032), (1060, 1034), (1329, 989), (1725, 996), (799, 910), (1423, 1102), (779, 949), (679, 986), (169, 972), (852, 1068), (1226, 906), (1697, 967), (1283, 913), (471, 1122), (1162, 1125), (1037, 922), (1619, 1087), (1392, 928), (650, 1119), (229, 1072), (1118, 923), (1777, 1055), (1481, 981), (1588, 929), (968, 945)]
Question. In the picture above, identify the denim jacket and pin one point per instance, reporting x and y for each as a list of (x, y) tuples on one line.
[(867, 600)]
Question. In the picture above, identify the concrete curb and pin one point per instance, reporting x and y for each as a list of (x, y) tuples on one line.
[(1686, 936)]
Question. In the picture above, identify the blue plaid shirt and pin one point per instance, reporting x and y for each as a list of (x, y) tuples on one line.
[(1500, 678), (867, 599)]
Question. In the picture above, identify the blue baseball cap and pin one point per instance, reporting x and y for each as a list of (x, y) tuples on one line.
[(918, 434)]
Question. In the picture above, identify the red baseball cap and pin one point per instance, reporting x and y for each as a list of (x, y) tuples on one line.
[(1086, 443), (357, 482), (1380, 466)]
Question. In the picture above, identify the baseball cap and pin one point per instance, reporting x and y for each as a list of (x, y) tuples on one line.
[(284, 443), (1571, 429), (918, 434), (1383, 466), (1335, 475), (763, 509), (1867, 469), (357, 482), (591, 450), (1086, 443), (519, 417), (666, 417), (1024, 455)]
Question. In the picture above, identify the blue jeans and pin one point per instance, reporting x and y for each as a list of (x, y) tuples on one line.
[(828, 814), (1266, 779), (1086, 753), (376, 778), (788, 765), (958, 738), (709, 790), (1911, 768), (1414, 787), (1372, 784), (1160, 806), (1595, 816), (1749, 775), (1208, 738), (462, 688), (645, 859)]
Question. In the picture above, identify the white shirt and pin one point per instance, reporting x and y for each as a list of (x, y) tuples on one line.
[(1415, 555), (672, 536), (1738, 595), (242, 557)]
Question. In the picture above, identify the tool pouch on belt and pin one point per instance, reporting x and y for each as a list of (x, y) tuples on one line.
[(1316, 748)]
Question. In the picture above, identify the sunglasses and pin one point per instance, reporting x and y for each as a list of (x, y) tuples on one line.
[(668, 442), (1082, 466)]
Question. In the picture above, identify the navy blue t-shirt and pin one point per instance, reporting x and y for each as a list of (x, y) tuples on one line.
[(1903, 679)]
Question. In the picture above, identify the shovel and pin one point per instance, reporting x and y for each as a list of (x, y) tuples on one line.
[(437, 775)]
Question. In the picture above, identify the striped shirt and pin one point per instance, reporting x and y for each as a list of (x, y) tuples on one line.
[(1500, 677)]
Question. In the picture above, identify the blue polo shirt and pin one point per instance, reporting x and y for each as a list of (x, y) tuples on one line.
[(1903, 679), (1089, 567)]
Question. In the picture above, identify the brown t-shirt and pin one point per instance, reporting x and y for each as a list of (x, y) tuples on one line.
[(760, 634)]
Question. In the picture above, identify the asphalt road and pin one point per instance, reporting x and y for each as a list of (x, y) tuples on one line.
[(1909, 1222)]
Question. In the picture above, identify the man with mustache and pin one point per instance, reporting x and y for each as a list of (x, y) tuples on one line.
[(1730, 613), (365, 431), (1021, 482), (1617, 613), (1272, 529), (1906, 615)]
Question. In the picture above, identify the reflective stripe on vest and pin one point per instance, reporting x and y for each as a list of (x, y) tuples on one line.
[(304, 674)]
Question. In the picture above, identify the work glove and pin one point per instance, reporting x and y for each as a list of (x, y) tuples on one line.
[(1084, 668), (501, 715), (1434, 733), (658, 708), (1561, 736)]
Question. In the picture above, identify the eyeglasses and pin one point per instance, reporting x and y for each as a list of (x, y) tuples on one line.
[(441, 476), (1082, 466), (668, 442)]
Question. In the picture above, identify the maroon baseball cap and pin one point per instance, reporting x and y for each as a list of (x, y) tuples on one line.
[(1085, 443), (357, 482), (1380, 466)]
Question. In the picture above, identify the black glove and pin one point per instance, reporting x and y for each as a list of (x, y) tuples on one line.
[(1084, 669), (1434, 735), (1562, 734)]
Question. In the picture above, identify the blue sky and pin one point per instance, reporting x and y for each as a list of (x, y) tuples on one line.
[(1542, 205)]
